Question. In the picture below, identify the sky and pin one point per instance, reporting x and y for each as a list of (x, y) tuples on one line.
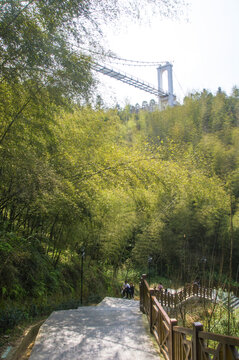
[(204, 51)]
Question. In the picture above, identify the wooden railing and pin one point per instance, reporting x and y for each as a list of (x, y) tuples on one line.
[(179, 343), (231, 288), (173, 300)]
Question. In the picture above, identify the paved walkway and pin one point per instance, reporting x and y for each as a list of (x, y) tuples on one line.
[(112, 330)]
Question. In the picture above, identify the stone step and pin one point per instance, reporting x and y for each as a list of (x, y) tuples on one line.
[(236, 306), (233, 302), (118, 304), (114, 329)]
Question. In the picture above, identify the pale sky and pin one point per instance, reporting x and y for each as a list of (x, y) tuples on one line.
[(204, 51)]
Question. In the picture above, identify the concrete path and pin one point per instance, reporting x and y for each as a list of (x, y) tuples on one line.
[(112, 330)]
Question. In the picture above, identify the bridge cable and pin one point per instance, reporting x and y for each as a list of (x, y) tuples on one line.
[(114, 57), (183, 92)]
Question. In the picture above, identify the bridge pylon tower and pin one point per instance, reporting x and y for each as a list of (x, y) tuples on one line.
[(170, 98)]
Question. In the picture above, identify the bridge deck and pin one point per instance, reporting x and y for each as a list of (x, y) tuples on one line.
[(112, 330)]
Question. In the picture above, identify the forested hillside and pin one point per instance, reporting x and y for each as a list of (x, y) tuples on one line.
[(119, 185), (124, 186)]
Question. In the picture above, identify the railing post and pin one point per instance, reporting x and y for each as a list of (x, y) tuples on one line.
[(173, 322), (197, 326), (151, 293), (141, 293)]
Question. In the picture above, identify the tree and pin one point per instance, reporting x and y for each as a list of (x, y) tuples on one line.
[(145, 105), (34, 42), (40, 50), (152, 105)]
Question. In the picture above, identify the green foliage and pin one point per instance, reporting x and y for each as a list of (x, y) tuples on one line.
[(219, 322), (121, 185), (11, 316), (121, 200)]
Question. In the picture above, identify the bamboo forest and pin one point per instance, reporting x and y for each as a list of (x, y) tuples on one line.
[(114, 192)]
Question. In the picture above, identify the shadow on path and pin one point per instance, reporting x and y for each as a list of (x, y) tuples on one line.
[(113, 330)]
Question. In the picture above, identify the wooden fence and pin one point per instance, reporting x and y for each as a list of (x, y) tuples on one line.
[(232, 288), (179, 343), (173, 300)]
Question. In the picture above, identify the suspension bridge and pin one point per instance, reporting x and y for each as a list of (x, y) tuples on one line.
[(165, 97)]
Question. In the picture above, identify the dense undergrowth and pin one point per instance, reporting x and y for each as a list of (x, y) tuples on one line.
[(213, 318), (32, 285)]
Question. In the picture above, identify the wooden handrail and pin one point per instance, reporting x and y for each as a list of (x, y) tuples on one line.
[(173, 300), (180, 343)]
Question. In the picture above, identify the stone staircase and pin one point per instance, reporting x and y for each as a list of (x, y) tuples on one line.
[(233, 301), (112, 330)]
